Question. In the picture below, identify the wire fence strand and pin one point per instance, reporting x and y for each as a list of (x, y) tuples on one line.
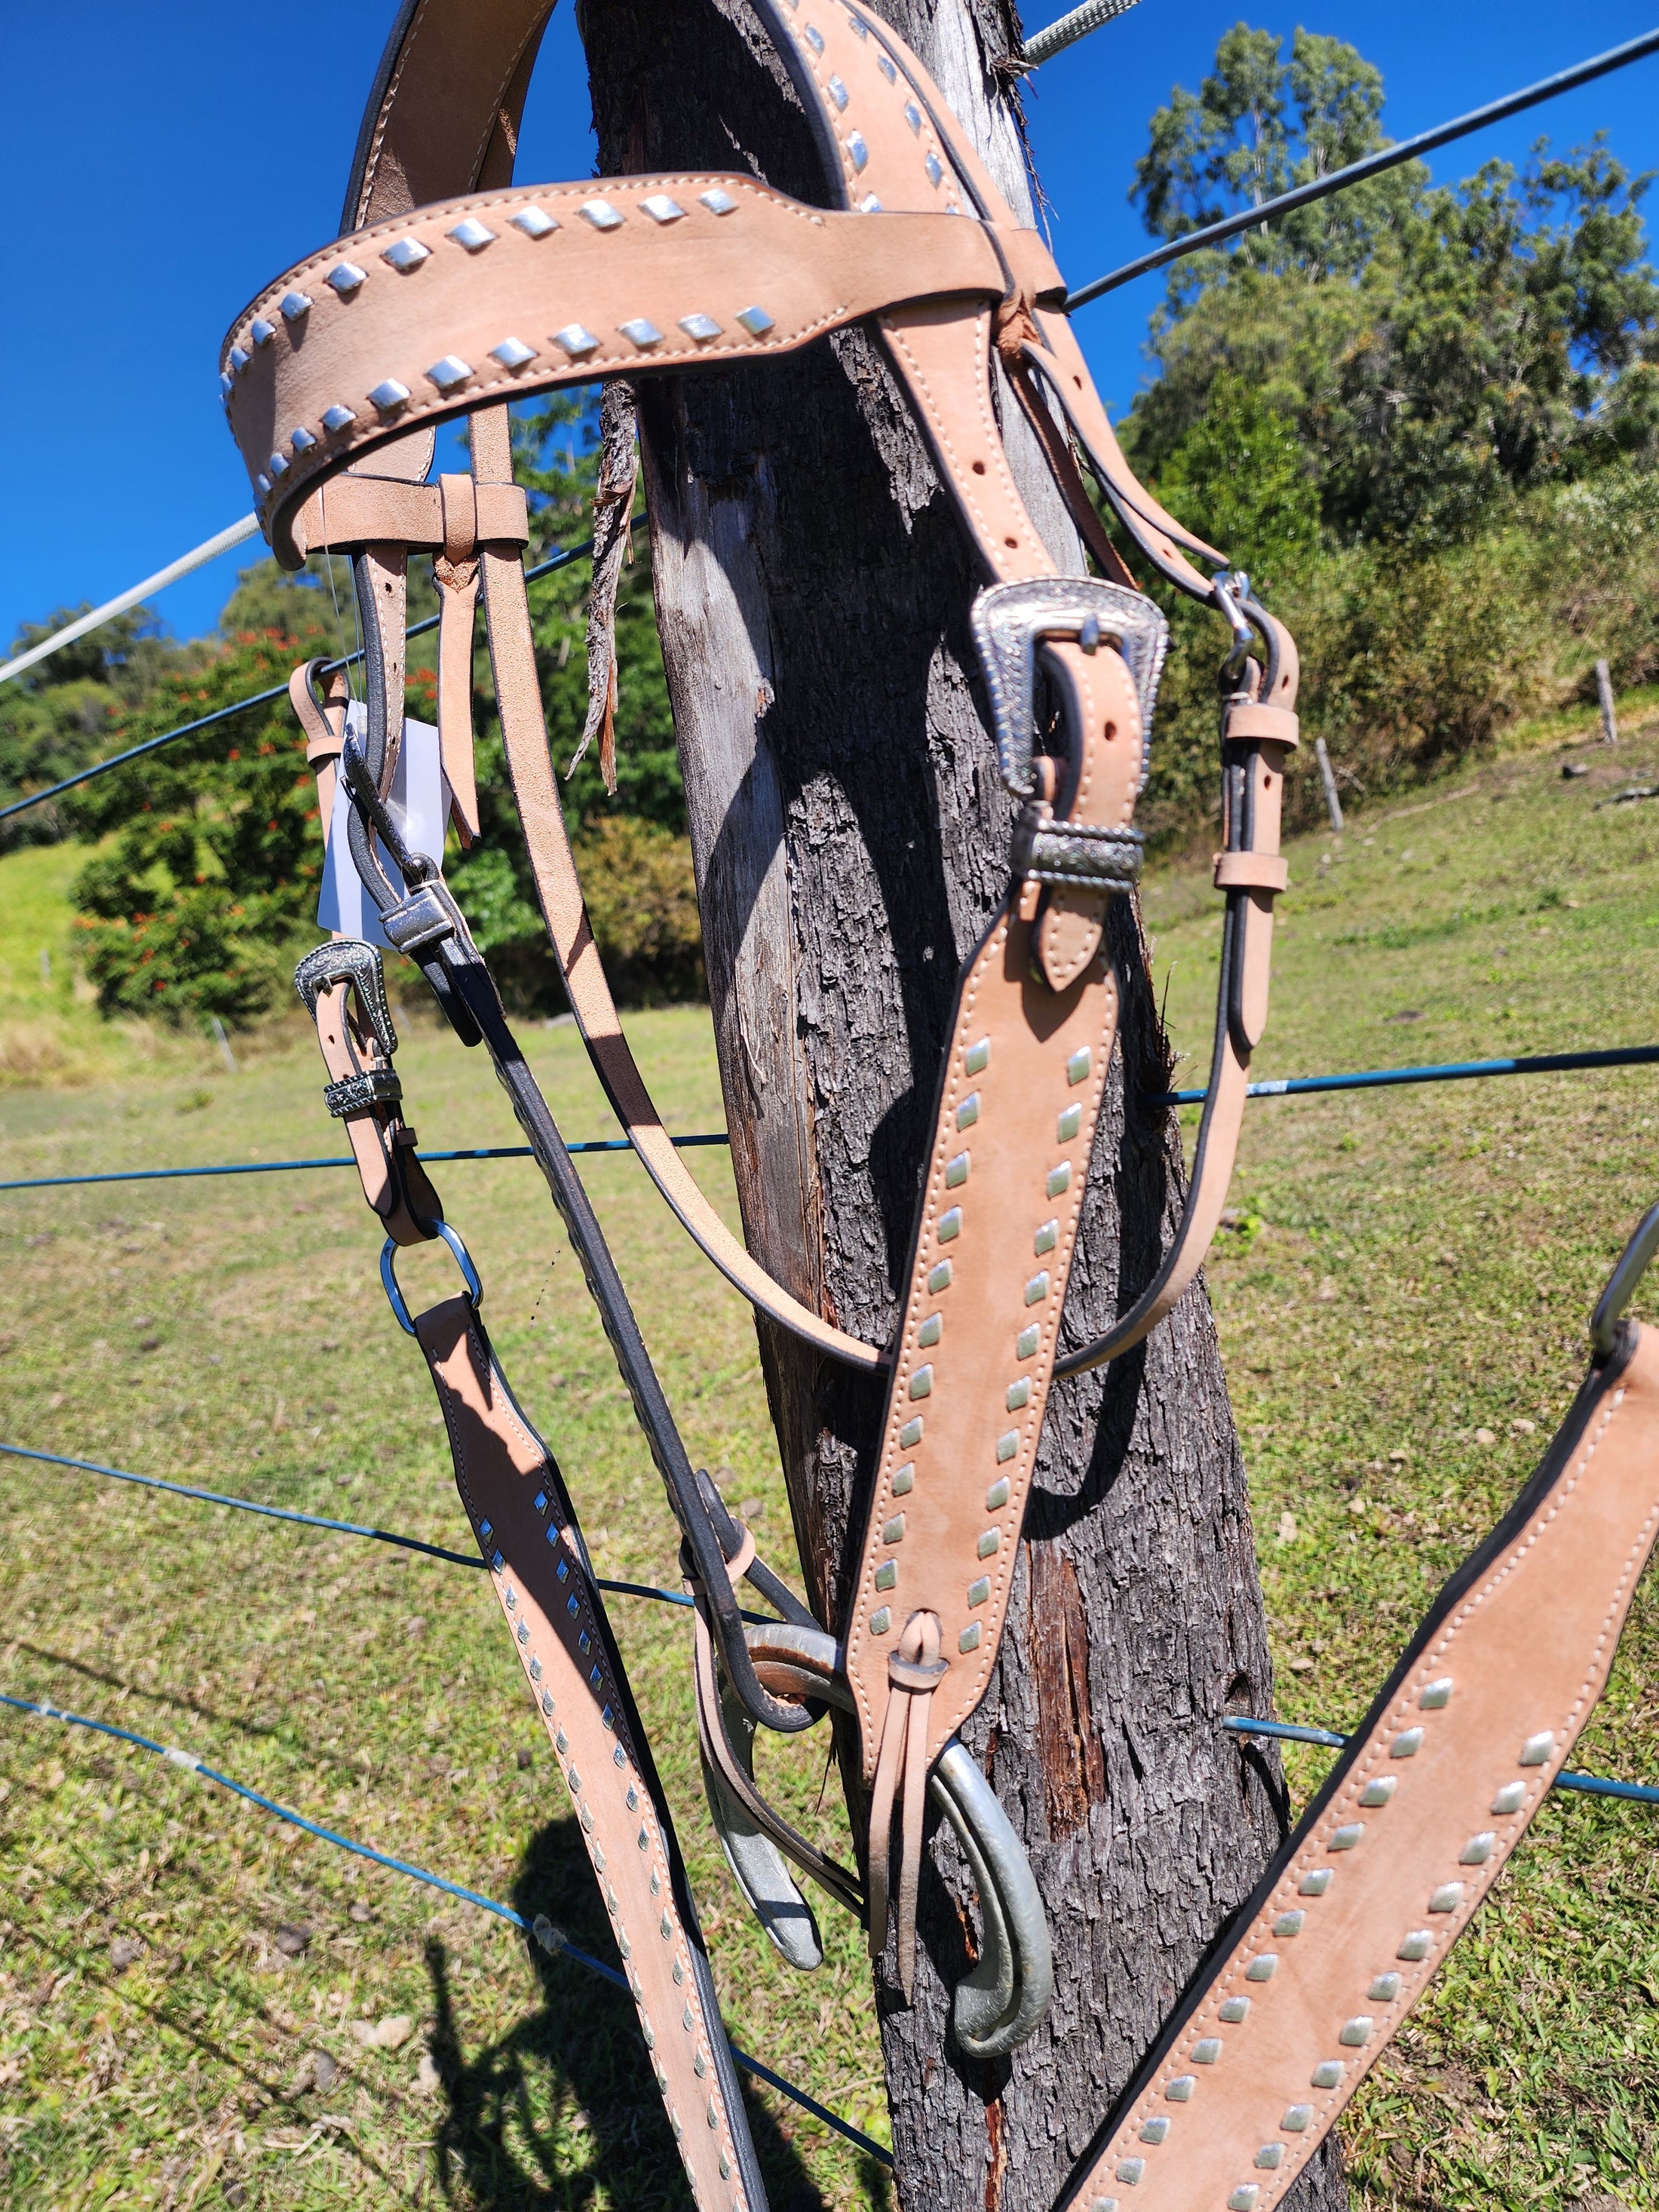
[(1598, 1785), (322, 1521), (332, 1160), (1591, 1785), (1369, 1078), (1449, 1071), (560, 560), (553, 1942)]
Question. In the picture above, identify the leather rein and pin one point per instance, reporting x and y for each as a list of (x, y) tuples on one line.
[(452, 291)]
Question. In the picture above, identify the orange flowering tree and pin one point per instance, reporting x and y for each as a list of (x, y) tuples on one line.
[(209, 851)]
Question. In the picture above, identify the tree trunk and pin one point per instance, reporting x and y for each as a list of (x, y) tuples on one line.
[(851, 837)]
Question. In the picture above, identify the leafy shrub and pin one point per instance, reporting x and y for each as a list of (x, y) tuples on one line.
[(215, 853), (642, 902)]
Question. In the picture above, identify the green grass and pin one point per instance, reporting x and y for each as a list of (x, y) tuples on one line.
[(50, 1028), (1405, 1291)]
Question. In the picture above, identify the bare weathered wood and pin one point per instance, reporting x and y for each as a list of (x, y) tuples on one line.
[(1609, 712), (850, 836)]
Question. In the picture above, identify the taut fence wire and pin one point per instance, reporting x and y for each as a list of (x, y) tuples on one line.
[(552, 1939)]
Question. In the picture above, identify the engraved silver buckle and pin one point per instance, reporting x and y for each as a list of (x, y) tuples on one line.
[(1009, 620), (352, 962)]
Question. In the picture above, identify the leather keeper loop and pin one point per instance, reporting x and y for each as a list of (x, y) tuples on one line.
[(1251, 871), (1092, 855), (353, 510), (360, 1094), (915, 1674), (457, 499), (1271, 726)]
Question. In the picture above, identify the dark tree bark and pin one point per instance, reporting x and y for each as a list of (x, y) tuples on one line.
[(851, 838)]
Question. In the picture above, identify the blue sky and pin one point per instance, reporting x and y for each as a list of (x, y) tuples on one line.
[(159, 164)]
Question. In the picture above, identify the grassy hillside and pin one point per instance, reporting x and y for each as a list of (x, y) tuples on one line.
[(1402, 1306)]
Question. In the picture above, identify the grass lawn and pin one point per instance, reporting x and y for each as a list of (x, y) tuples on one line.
[(1402, 1303)]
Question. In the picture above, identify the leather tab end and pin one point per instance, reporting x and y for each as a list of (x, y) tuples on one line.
[(1271, 726), (1251, 871)]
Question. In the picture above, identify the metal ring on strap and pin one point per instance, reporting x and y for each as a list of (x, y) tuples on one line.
[(462, 1260)]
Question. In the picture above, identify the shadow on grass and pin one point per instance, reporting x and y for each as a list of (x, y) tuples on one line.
[(564, 2109)]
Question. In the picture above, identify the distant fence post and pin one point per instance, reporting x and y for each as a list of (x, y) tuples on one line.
[(223, 1042), (1333, 803), (1609, 719)]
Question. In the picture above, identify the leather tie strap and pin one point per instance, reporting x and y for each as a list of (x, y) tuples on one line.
[(319, 703), (456, 574), (914, 1672), (1409, 1831), (525, 1527)]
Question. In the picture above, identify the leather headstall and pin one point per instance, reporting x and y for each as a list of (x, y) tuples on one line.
[(452, 291)]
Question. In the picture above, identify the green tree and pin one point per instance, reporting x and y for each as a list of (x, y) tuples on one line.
[(208, 881), (1434, 350), (62, 714), (1239, 478), (210, 877)]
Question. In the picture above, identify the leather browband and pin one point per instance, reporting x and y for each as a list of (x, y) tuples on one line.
[(501, 295)]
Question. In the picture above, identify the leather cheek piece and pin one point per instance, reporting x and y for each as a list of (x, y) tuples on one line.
[(1256, 871), (1362, 1906), (1019, 1103), (521, 1516)]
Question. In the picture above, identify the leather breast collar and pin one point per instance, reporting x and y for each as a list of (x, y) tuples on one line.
[(454, 290)]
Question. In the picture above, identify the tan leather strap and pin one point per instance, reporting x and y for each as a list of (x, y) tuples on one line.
[(524, 732), (1019, 1103), (1408, 1834), (915, 1671), (319, 703), (394, 1180), (444, 113), (522, 1518), (1057, 361), (1253, 871), (1253, 874)]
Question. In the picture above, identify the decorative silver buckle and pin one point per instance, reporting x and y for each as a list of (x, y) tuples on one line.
[(350, 961), (1009, 620)]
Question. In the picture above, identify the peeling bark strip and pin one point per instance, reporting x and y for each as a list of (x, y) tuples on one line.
[(1073, 1765), (851, 836), (613, 509)]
